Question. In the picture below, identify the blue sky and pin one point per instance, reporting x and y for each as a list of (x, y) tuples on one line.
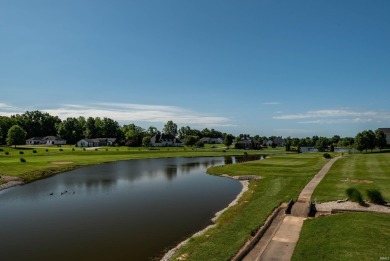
[(290, 68)]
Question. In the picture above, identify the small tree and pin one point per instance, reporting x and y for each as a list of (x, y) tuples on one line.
[(16, 136), (380, 139), (146, 141), (190, 141), (228, 140)]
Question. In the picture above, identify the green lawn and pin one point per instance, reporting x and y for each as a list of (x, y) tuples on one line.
[(347, 236), (285, 175), (373, 167)]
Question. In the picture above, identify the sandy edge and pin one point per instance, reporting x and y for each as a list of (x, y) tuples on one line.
[(11, 181), (245, 187)]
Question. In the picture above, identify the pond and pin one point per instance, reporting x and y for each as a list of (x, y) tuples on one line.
[(126, 210)]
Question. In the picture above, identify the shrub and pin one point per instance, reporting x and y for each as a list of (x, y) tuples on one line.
[(34, 151), (22, 160), (83, 148), (354, 195), (72, 149), (21, 152), (96, 149), (1, 149), (326, 156), (245, 153), (375, 196), (106, 149), (6, 153), (47, 150), (61, 150)]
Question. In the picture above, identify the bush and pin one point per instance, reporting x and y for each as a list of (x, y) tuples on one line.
[(1, 149), (6, 153), (327, 156), (83, 148), (47, 150), (375, 196), (34, 151), (22, 160), (72, 149), (21, 152), (354, 195), (61, 150)]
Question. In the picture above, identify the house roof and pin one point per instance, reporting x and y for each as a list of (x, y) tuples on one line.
[(35, 138), (385, 130)]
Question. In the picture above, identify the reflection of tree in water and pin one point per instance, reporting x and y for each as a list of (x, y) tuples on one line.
[(100, 183), (171, 173)]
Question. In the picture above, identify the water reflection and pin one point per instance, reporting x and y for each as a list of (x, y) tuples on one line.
[(97, 212)]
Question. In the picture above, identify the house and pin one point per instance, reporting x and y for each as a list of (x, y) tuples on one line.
[(386, 131), (53, 140), (247, 143), (208, 140), (98, 142), (278, 141), (165, 140), (48, 140), (34, 141), (308, 149)]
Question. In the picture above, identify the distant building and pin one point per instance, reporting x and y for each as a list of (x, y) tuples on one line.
[(278, 141), (247, 143), (98, 142), (165, 140), (386, 131), (208, 140), (48, 140), (308, 149)]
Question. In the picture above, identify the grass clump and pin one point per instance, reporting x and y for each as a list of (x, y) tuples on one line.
[(354, 195), (375, 196)]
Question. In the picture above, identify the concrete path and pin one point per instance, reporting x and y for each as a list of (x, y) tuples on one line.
[(279, 242)]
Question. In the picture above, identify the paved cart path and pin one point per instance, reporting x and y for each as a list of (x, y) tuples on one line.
[(283, 235)]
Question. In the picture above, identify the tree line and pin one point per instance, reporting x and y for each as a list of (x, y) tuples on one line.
[(365, 140), (39, 124)]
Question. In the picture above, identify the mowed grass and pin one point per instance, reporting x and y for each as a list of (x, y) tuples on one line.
[(45, 161), (284, 176), (372, 167), (347, 236)]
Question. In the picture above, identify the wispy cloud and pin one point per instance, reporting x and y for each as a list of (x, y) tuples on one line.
[(335, 116), (271, 103), (126, 112)]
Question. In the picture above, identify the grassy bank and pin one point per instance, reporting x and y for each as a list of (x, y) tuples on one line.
[(284, 176), (361, 171), (41, 162), (347, 236)]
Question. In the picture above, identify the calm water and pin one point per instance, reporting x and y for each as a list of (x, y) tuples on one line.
[(128, 210)]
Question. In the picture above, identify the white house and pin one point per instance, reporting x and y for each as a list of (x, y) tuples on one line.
[(165, 140), (48, 140)]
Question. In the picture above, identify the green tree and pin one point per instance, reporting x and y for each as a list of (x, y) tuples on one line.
[(133, 133), (1, 136), (321, 143), (228, 141), (16, 136), (71, 130), (380, 139), (370, 136), (170, 128), (146, 141), (152, 131), (190, 141), (360, 142), (5, 124), (199, 144)]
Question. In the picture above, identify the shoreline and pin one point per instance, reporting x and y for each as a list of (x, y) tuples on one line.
[(244, 180), (11, 182)]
